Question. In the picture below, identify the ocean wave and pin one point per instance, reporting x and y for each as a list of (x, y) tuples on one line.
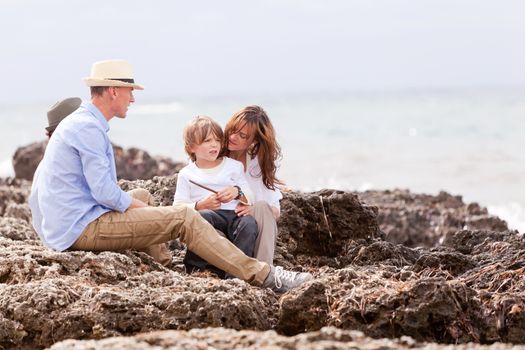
[(157, 108), (512, 213), (6, 168)]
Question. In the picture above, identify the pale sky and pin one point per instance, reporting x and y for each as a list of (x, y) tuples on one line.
[(233, 47)]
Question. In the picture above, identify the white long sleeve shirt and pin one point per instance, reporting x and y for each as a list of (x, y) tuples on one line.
[(228, 173), (260, 191)]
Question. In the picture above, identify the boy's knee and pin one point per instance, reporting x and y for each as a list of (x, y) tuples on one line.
[(248, 225), (206, 214)]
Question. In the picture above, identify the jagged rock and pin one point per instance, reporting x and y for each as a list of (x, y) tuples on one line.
[(16, 229), (427, 309), (324, 222), (328, 338), (13, 192), (161, 187), (49, 296), (469, 289), (27, 158), (134, 163), (421, 220)]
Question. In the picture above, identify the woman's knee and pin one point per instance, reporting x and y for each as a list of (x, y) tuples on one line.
[(262, 205)]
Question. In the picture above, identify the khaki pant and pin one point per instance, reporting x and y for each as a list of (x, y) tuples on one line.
[(142, 228), (267, 238), (159, 252)]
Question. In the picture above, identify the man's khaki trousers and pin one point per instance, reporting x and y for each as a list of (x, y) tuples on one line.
[(142, 228)]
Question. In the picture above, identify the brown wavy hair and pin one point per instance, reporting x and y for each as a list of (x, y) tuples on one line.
[(264, 146), (197, 129)]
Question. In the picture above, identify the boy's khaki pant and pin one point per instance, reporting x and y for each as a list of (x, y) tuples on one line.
[(267, 237), (142, 228)]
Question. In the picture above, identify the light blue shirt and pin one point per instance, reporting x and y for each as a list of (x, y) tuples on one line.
[(76, 181)]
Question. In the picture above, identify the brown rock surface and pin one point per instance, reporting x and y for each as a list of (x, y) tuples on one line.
[(27, 158), (421, 220), (468, 287), (328, 338)]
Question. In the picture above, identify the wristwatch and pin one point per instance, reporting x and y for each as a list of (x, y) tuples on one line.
[(241, 193)]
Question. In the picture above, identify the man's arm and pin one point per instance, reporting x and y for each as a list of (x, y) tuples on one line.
[(91, 146)]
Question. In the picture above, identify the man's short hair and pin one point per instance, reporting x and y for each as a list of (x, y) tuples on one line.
[(98, 90)]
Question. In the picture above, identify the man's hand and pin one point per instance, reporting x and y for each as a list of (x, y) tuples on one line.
[(244, 210), (135, 203), (211, 202), (228, 194)]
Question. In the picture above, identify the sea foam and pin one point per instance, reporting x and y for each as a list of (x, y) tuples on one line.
[(512, 213), (6, 168)]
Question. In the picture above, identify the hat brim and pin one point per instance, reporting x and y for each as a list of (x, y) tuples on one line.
[(51, 127), (108, 82)]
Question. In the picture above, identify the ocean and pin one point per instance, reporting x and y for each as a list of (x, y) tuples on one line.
[(468, 142)]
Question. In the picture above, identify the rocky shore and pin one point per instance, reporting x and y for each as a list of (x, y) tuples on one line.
[(393, 270)]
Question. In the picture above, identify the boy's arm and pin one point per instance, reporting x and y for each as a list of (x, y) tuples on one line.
[(241, 181), (183, 196), (183, 192)]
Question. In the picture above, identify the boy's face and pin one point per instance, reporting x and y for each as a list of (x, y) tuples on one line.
[(208, 150)]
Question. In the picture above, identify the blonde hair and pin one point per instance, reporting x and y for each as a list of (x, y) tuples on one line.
[(197, 129), (265, 146)]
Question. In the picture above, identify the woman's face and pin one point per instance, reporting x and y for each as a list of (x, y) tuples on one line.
[(241, 140)]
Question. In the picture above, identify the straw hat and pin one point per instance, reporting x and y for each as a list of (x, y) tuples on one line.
[(60, 110), (112, 73)]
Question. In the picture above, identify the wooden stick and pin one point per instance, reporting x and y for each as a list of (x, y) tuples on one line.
[(212, 190), (202, 186)]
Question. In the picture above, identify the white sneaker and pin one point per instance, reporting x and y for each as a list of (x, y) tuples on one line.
[(280, 280)]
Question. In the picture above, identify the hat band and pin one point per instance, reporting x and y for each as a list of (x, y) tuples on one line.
[(131, 81)]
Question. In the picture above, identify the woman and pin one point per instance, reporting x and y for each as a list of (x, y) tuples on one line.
[(250, 138)]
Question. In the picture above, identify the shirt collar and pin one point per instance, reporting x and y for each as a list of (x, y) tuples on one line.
[(97, 114)]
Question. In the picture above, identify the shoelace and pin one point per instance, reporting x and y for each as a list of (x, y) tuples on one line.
[(281, 273)]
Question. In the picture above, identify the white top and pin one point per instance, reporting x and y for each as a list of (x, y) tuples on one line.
[(228, 173), (259, 190)]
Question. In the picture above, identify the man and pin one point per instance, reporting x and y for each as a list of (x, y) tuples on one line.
[(76, 202)]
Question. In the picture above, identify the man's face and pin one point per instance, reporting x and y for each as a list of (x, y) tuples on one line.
[(122, 98)]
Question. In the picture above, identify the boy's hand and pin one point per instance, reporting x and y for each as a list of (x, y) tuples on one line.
[(211, 202), (228, 194), (244, 210)]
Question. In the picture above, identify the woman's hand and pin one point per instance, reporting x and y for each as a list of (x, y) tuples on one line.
[(211, 202), (228, 194), (244, 210)]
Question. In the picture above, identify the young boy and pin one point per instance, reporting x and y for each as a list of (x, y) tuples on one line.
[(214, 186)]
